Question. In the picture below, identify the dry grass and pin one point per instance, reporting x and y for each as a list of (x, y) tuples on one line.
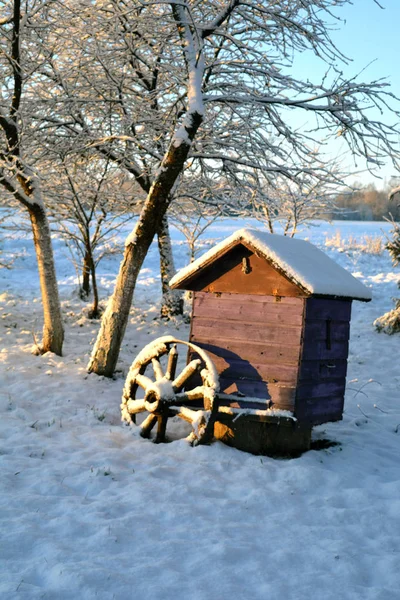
[(370, 244)]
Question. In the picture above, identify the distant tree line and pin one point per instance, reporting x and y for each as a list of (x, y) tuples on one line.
[(366, 204)]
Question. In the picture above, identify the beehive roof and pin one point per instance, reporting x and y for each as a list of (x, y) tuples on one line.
[(301, 262)]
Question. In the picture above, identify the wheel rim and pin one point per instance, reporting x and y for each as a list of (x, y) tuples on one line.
[(165, 389)]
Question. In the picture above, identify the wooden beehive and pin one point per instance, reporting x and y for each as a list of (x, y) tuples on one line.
[(274, 315)]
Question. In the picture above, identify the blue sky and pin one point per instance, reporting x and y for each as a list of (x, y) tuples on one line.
[(369, 35)]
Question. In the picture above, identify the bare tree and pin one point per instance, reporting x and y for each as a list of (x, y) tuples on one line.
[(192, 220), (159, 197), (233, 85), (199, 202), (293, 203), (106, 104), (167, 88), (16, 175), (89, 201)]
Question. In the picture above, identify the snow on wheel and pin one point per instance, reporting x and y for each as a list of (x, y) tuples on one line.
[(163, 395)]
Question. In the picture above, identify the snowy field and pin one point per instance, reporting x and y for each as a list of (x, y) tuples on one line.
[(89, 510)]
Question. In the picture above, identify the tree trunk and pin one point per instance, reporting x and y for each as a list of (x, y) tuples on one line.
[(53, 331), (287, 225), (106, 350), (267, 214), (94, 313), (172, 300), (85, 287), (115, 318)]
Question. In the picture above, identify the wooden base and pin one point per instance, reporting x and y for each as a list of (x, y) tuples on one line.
[(278, 437)]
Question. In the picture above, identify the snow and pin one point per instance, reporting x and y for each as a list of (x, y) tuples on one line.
[(195, 95), (89, 507), (268, 412), (194, 92), (131, 238), (163, 389), (301, 261), (35, 199), (181, 135)]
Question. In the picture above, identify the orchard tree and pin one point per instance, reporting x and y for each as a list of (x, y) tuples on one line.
[(92, 98), (292, 203), (229, 61), (165, 89), (199, 201), (88, 201), (122, 95), (5, 216), (18, 61)]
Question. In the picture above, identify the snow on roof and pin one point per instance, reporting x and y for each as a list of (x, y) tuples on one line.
[(303, 263)]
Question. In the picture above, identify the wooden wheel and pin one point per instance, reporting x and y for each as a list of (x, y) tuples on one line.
[(163, 395)]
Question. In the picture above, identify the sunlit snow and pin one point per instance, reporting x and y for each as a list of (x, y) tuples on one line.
[(92, 511)]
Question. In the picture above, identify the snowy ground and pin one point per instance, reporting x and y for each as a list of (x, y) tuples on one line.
[(91, 510)]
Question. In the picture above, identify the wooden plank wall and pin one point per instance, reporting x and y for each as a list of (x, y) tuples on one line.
[(254, 341), (322, 375)]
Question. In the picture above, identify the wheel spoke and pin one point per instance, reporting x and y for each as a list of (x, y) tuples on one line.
[(157, 369), (148, 425), (172, 360), (196, 393), (161, 428), (143, 381), (187, 372), (185, 413), (135, 406), (207, 435)]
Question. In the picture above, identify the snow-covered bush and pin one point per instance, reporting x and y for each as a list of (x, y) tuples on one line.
[(393, 245), (389, 322)]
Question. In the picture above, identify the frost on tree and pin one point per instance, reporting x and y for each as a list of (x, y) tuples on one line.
[(390, 322), (88, 200), (16, 175), (176, 92), (223, 83)]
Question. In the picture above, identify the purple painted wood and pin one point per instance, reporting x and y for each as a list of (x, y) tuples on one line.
[(256, 343), (319, 351), (323, 365), (328, 308), (320, 389), (249, 308), (316, 411), (270, 373), (319, 370), (317, 330)]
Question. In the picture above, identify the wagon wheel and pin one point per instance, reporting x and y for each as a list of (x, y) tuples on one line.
[(163, 395)]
